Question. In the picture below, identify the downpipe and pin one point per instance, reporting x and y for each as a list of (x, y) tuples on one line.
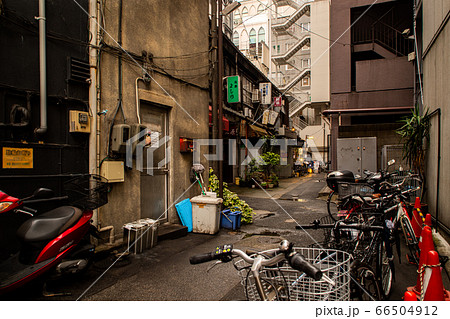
[(42, 68)]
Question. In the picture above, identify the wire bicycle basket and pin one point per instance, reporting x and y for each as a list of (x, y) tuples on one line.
[(282, 282), (345, 189), (87, 191)]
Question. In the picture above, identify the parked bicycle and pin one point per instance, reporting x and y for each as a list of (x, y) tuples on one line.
[(372, 265), (288, 273), (344, 183)]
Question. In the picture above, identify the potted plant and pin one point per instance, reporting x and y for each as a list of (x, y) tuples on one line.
[(415, 134), (275, 180)]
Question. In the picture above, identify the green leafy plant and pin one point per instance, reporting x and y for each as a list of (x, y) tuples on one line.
[(270, 162), (415, 133), (275, 179), (230, 199)]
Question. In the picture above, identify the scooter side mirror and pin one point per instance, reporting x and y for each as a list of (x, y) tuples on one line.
[(43, 193)]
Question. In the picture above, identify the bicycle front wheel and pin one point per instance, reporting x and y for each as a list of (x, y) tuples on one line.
[(365, 285), (385, 270)]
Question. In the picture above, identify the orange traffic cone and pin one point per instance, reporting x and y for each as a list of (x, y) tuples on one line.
[(428, 220), (433, 287), (409, 296), (425, 246), (416, 220)]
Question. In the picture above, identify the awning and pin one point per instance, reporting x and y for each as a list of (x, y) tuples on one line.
[(259, 131), (400, 109)]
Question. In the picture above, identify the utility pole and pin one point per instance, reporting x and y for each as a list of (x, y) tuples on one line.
[(220, 93), (215, 73)]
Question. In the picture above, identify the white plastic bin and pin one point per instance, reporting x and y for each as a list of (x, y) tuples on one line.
[(205, 214)]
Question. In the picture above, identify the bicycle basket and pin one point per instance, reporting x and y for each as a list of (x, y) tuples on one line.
[(345, 189), (281, 282), (87, 191)]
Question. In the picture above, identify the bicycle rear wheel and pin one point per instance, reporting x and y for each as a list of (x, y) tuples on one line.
[(333, 205)]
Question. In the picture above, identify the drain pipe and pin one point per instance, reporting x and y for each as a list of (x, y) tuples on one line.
[(42, 68), (111, 233), (138, 104), (438, 112)]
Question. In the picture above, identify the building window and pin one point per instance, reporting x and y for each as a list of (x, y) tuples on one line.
[(261, 35), (252, 36), (236, 39), (244, 14), (306, 63), (306, 81), (252, 11), (237, 18), (260, 8)]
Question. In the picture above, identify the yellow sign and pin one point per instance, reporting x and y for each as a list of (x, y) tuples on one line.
[(17, 157)]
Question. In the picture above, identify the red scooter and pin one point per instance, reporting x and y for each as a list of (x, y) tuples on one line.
[(56, 240)]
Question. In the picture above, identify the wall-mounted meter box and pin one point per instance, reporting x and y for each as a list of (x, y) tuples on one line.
[(79, 122), (186, 145), (113, 171), (139, 133), (119, 137)]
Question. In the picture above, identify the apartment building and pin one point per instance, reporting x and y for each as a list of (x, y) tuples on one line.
[(372, 79)]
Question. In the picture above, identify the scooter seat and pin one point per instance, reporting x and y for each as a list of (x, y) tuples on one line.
[(49, 224)]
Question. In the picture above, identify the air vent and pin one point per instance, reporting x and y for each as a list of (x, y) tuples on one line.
[(79, 70)]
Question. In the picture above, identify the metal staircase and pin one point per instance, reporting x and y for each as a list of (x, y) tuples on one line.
[(282, 27), (282, 59), (296, 106), (294, 81), (291, 3)]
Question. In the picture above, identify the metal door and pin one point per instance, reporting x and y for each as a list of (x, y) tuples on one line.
[(357, 154), (154, 179), (349, 154), (369, 154)]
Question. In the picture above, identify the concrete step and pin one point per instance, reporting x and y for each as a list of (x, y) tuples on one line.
[(171, 231)]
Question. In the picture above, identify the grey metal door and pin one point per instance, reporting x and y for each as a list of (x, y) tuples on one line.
[(357, 154), (348, 154), (154, 178), (369, 154)]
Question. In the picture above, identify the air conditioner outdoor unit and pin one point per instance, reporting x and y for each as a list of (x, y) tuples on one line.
[(255, 96)]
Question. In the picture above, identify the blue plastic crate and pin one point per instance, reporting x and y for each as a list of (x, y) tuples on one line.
[(184, 209), (230, 220)]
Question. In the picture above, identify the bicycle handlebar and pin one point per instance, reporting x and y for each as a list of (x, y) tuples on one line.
[(202, 258), (295, 260)]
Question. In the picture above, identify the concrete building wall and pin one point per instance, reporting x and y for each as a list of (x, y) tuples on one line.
[(176, 34), (370, 88), (436, 79), (385, 74), (320, 57)]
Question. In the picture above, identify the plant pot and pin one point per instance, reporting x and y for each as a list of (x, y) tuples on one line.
[(271, 185)]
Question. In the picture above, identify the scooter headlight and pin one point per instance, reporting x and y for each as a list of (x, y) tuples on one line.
[(4, 206)]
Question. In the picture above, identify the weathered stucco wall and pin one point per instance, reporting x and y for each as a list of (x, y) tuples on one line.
[(175, 34)]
